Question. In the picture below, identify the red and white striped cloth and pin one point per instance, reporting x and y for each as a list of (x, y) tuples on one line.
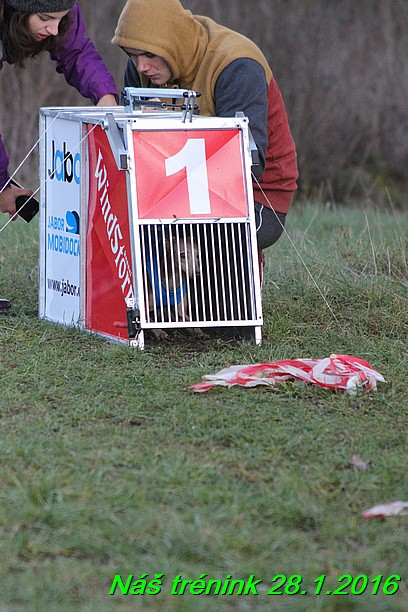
[(338, 372)]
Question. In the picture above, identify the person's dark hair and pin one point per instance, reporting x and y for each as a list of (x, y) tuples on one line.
[(18, 43)]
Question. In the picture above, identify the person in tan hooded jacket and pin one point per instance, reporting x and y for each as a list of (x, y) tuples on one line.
[(169, 46)]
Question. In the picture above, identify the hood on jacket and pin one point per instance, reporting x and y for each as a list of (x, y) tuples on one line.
[(166, 29), (196, 48)]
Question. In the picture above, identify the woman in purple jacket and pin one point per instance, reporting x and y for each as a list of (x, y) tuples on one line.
[(28, 27)]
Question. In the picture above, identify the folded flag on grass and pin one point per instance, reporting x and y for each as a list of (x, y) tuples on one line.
[(338, 372)]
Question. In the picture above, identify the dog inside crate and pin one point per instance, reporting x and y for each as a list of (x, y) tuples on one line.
[(225, 269), (197, 273), (171, 268)]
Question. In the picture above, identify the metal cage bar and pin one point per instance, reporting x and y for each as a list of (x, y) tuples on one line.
[(197, 274)]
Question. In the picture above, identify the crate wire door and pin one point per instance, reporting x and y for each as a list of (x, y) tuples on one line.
[(198, 272), (193, 270)]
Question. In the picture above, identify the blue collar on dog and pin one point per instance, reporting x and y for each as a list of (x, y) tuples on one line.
[(159, 289)]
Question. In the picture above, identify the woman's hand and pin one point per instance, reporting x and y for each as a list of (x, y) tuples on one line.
[(8, 199), (108, 100)]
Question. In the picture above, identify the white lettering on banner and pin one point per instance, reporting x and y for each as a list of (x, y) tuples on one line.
[(113, 230), (192, 158)]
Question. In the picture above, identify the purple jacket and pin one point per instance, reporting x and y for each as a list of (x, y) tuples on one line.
[(83, 68)]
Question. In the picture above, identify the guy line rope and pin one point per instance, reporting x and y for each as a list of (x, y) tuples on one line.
[(12, 217), (296, 251), (253, 176)]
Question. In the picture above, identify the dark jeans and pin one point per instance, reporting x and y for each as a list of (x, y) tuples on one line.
[(269, 225)]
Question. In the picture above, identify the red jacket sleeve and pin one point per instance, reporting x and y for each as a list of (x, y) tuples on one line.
[(278, 181)]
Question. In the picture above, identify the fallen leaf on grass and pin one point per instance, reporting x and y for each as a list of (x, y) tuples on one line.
[(393, 509), (358, 463)]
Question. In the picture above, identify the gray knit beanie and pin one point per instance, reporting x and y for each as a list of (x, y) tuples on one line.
[(41, 6)]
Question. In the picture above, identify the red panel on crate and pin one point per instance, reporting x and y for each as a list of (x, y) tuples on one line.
[(108, 253), (189, 174)]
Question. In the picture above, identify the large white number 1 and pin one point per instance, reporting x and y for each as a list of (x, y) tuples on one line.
[(192, 158)]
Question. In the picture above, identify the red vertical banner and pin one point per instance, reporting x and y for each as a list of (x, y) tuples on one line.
[(189, 174), (108, 255)]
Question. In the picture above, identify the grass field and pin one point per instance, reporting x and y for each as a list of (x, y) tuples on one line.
[(111, 465)]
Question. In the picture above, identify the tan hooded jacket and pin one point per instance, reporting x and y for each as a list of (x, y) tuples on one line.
[(197, 50)]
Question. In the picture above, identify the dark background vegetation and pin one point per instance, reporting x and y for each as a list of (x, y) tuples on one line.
[(342, 67)]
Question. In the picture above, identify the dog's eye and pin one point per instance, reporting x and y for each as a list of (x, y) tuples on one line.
[(182, 255)]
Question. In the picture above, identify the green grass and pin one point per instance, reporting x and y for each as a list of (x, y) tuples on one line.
[(110, 464)]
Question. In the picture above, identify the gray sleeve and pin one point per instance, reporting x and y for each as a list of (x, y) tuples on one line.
[(242, 86)]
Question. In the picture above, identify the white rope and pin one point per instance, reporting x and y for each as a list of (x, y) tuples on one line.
[(261, 207), (44, 182), (254, 177), (297, 252), (28, 154)]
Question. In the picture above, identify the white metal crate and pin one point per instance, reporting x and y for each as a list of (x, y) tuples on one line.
[(167, 232)]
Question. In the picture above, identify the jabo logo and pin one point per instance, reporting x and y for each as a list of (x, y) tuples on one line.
[(65, 166)]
